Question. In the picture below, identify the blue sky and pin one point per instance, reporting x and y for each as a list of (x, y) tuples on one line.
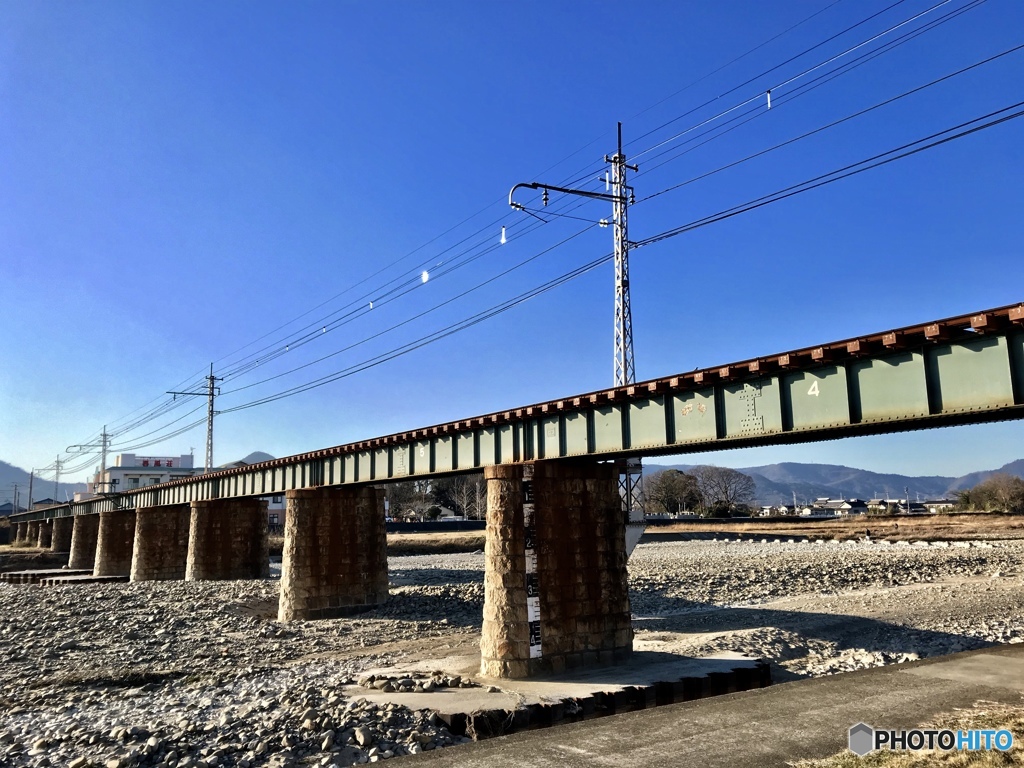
[(181, 181)]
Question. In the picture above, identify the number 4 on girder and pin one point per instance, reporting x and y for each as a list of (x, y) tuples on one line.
[(814, 389)]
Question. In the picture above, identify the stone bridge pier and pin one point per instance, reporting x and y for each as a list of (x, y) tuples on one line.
[(20, 534), (335, 553), (60, 541), (555, 589), (83, 541), (32, 535), (228, 540), (45, 534), (160, 548), (114, 543)]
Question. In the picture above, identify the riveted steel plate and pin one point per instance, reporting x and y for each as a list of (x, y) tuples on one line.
[(891, 387), (607, 428), (576, 434), (971, 376), (752, 408), (694, 415), (818, 397), (647, 423)]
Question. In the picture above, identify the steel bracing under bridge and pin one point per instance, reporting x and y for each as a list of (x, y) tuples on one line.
[(960, 370)]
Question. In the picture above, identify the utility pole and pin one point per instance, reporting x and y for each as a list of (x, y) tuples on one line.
[(103, 444), (14, 501), (620, 195), (630, 483), (31, 477), (212, 390), (56, 478)]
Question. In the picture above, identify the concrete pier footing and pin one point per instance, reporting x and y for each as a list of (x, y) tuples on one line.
[(114, 543), (160, 549), (555, 587), (228, 540), (83, 541), (45, 534), (60, 541), (335, 553)]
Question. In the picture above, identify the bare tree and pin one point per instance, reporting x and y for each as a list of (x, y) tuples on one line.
[(671, 491), (408, 499), (480, 497), (1000, 491), (722, 489), (460, 493)]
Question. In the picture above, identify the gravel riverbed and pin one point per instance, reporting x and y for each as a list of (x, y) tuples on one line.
[(195, 675)]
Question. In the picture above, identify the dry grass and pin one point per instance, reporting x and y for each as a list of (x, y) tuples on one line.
[(984, 715), (434, 543), (968, 525), (400, 544)]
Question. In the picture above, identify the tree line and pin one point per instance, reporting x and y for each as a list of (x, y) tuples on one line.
[(465, 495), (707, 491), (1000, 492)]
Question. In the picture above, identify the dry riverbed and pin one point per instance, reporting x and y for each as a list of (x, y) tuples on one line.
[(184, 675)]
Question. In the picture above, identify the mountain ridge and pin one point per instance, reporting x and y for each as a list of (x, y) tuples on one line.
[(777, 483)]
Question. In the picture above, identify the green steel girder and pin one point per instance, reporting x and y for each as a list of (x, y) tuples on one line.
[(902, 380)]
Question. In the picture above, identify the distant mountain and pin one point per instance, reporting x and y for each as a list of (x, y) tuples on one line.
[(257, 456), (41, 489), (776, 483)]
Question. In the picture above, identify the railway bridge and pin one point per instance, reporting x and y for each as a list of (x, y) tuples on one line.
[(556, 595)]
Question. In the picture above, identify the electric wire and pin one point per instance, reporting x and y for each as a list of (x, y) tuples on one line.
[(897, 153), (756, 112), (422, 314), (833, 124), (760, 94), (166, 406), (906, 150)]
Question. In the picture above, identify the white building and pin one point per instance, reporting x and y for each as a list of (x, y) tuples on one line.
[(131, 471)]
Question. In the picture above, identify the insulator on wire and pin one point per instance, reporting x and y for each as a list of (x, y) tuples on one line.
[(503, 240)]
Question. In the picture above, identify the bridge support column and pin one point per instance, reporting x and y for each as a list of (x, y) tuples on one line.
[(83, 541), (32, 537), (45, 534), (161, 543), (227, 539), (61, 539), (114, 543), (20, 534), (555, 589), (335, 553)]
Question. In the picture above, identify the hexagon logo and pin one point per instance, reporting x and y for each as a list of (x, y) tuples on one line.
[(862, 739)]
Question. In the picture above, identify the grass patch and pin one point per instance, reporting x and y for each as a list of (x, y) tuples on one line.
[(400, 544), (984, 716)]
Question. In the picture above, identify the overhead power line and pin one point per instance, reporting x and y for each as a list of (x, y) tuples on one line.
[(404, 285), (834, 123), (757, 110), (760, 95), (883, 158)]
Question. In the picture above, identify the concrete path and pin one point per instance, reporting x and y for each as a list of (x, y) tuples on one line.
[(766, 727)]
